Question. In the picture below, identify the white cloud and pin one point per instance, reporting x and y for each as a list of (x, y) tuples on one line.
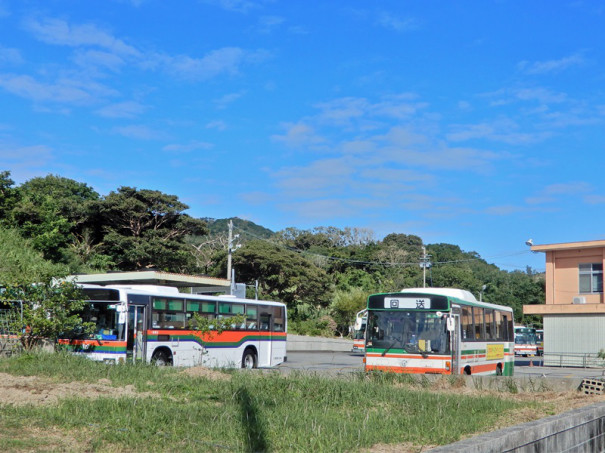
[(139, 132), (98, 59), (217, 62), (392, 22), (59, 32), (266, 24), (216, 124), (400, 106), (554, 192), (550, 66), (319, 178), (128, 109), (188, 147), (37, 155), (340, 111), (541, 95), (223, 102), (299, 135), (344, 110), (505, 210), (239, 6), (595, 199), (257, 198), (503, 130), (10, 55), (65, 90)]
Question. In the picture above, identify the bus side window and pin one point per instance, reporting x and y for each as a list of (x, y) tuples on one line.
[(489, 324), (265, 319), (278, 319), (479, 328), (251, 317), (467, 323)]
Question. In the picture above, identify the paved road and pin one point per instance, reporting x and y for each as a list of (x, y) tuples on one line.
[(346, 362)]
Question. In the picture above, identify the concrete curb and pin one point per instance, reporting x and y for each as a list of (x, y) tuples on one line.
[(579, 430), (307, 343)]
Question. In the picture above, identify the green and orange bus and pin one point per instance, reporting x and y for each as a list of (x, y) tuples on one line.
[(438, 331)]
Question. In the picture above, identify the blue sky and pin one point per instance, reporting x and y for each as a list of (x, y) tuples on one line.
[(475, 123)]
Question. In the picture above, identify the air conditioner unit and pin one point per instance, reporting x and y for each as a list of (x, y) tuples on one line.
[(579, 300)]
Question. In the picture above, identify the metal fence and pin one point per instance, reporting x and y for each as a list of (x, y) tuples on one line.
[(572, 359), (10, 341)]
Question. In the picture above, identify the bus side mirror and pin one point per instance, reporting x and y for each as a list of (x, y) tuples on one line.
[(451, 324)]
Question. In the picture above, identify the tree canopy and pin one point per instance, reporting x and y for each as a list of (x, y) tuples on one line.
[(323, 274)]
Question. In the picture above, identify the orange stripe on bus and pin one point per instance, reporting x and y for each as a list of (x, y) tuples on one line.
[(480, 368), (226, 335), (92, 342)]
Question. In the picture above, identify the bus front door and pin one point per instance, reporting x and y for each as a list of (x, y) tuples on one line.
[(454, 329), (265, 347), (136, 346)]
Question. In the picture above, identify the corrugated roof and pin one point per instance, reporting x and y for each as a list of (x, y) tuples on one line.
[(152, 277)]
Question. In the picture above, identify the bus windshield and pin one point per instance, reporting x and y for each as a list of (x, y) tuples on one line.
[(106, 318), (525, 335), (412, 331)]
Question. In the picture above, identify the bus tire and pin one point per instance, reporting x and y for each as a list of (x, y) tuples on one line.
[(161, 358), (249, 359), (467, 370), (499, 370)]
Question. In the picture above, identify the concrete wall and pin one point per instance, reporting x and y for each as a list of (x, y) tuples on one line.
[(304, 343), (580, 430)]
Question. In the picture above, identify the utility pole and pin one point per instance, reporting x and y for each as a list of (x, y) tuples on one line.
[(424, 264), (229, 244), (230, 249)]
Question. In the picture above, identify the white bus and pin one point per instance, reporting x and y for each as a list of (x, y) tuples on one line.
[(438, 331), (526, 341), (359, 331), (156, 324)]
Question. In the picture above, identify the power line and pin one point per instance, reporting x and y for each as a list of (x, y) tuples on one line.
[(383, 263)]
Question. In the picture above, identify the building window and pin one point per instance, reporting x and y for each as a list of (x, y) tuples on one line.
[(591, 278)]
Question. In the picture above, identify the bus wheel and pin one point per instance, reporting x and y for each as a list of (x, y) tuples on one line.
[(161, 358), (467, 370), (499, 370), (249, 359)]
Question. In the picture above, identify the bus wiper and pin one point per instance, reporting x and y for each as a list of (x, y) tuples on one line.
[(414, 348), (389, 348)]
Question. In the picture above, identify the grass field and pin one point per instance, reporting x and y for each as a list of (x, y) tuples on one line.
[(58, 402)]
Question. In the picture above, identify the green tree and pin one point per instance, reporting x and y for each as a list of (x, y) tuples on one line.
[(8, 195), (344, 306), (48, 308), (52, 211), (21, 264), (282, 275), (147, 229)]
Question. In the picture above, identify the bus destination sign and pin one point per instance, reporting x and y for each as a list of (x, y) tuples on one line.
[(417, 303)]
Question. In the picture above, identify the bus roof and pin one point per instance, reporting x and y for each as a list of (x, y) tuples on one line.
[(461, 294), (450, 292), (167, 291)]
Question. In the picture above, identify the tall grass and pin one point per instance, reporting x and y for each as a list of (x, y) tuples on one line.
[(245, 411)]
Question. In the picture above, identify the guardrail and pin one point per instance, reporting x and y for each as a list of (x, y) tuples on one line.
[(572, 359)]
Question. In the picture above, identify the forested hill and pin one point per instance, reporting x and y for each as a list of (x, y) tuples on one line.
[(221, 226), (324, 274)]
